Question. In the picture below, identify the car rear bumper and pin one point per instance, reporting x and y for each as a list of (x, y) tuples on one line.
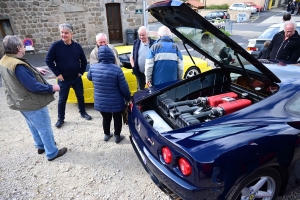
[(253, 53), (169, 183)]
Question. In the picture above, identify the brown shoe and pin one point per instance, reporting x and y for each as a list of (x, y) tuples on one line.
[(61, 152)]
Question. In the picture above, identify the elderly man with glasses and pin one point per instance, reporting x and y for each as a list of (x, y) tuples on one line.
[(67, 61), (28, 92)]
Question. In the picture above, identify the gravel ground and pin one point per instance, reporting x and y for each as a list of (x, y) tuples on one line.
[(91, 169)]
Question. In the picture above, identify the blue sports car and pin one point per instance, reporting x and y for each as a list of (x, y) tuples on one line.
[(228, 133)]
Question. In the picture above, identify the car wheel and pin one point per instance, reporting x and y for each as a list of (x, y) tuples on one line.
[(192, 71), (263, 184)]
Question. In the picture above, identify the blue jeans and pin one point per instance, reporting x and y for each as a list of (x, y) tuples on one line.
[(64, 92), (39, 124)]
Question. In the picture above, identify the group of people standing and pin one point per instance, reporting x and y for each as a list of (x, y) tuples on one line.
[(153, 62), (293, 6)]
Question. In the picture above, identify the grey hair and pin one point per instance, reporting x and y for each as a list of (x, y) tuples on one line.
[(142, 28), (164, 31), (66, 26), (290, 22), (99, 35), (11, 43)]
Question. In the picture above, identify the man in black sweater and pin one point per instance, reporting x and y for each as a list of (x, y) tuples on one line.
[(285, 45), (67, 61)]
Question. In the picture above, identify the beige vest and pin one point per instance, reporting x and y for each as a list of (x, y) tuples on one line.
[(19, 97)]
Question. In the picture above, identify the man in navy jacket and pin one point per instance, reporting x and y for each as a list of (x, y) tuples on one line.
[(138, 56), (67, 61)]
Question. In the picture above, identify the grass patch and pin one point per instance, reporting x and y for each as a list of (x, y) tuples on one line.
[(218, 7)]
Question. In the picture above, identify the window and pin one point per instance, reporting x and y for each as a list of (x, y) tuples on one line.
[(5, 28), (293, 105)]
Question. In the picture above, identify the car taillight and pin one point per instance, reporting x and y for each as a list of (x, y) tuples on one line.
[(167, 155), (131, 106), (185, 167), (252, 48)]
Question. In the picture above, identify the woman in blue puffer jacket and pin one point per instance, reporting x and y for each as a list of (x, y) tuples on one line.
[(110, 91)]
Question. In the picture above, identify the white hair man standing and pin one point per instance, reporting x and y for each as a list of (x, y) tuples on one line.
[(101, 40), (164, 60), (284, 46), (138, 56)]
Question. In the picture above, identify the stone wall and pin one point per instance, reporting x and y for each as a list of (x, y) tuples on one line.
[(39, 19)]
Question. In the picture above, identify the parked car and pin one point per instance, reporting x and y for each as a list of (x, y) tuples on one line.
[(190, 70), (258, 8), (257, 44), (217, 14), (229, 133), (242, 7)]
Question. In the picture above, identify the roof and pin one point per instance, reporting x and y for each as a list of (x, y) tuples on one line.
[(195, 3)]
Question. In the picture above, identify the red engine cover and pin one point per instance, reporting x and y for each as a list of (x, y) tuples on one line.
[(214, 101), (232, 106)]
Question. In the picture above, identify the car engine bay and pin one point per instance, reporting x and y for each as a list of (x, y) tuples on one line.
[(193, 103)]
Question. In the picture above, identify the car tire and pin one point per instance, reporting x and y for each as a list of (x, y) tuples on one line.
[(192, 71), (265, 180)]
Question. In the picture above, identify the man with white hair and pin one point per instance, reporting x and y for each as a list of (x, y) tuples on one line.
[(101, 40), (285, 45), (164, 60), (138, 55)]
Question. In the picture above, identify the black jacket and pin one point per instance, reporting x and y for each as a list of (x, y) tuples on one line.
[(285, 50), (263, 54)]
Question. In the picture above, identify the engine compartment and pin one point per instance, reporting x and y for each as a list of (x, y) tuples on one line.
[(198, 101), (202, 109)]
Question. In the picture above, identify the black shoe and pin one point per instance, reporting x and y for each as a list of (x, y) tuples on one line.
[(59, 123), (41, 151), (86, 116), (61, 152), (107, 137), (119, 138)]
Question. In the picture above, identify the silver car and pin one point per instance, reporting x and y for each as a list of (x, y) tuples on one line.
[(242, 7), (257, 44)]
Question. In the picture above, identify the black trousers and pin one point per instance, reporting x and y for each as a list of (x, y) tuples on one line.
[(141, 80), (64, 92), (107, 120)]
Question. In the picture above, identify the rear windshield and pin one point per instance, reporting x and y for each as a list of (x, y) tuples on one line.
[(269, 33), (293, 105), (216, 48)]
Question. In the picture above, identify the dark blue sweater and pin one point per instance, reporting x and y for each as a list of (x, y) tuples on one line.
[(26, 77), (67, 60)]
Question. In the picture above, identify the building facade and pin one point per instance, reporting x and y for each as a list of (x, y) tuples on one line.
[(39, 20)]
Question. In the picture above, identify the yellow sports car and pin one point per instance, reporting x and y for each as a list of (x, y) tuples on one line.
[(124, 54)]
